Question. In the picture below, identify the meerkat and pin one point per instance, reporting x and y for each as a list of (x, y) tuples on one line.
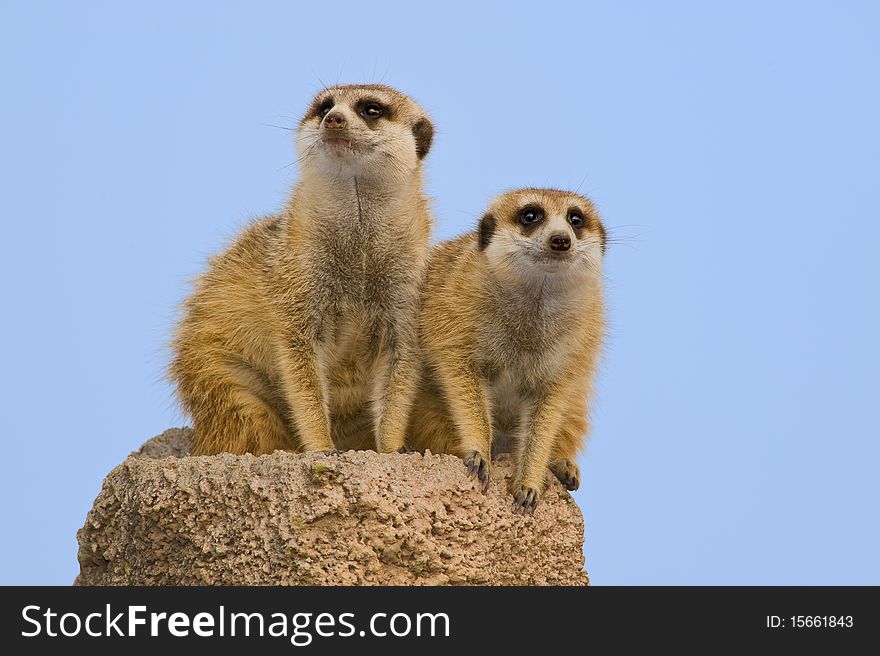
[(511, 327), (302, 335)]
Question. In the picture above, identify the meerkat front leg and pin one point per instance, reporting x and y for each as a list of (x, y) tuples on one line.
[(394, 405), (572, 431), (468, 400), (398, 370), (305, 395), (539, 433)]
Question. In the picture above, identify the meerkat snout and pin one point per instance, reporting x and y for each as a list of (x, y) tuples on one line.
[(560, 242), (335, 121)]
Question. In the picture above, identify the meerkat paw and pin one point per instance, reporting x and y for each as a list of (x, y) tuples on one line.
[(478, 467), (525, 499), (406, 449), (568, 473)]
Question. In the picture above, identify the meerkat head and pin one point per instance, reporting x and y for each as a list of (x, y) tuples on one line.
[(542, 232), (368, 131)]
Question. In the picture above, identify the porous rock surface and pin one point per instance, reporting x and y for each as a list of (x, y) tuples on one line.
[(355, 518)]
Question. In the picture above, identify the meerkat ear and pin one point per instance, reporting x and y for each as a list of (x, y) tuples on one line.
[(487, 228), (423, 131)]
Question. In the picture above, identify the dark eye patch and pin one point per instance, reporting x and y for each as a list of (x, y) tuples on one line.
[(529, 218), (321, 107), (371, 109), (578, 221)]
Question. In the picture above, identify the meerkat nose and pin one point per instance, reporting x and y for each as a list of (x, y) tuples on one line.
[(334, 121), (560, 243)]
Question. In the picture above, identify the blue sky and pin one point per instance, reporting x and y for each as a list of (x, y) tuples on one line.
[(733, 147)]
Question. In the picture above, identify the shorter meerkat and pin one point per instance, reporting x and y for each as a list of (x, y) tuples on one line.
[(511, 326)]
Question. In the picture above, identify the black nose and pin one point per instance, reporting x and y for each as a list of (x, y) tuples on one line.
[(334, 121), (560, 243)]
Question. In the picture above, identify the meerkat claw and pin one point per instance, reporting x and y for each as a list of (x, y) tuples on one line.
[(478, 467), (568, 473), (525, 499)]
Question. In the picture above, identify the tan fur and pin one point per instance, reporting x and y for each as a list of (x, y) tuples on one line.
[(302, 334), (510, 335)]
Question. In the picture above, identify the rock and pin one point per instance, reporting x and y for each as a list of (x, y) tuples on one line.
[(354, 518)]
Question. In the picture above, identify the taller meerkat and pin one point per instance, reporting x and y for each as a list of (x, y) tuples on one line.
[(302, 335), (511, 326)]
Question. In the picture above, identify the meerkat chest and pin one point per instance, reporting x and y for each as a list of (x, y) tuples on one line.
[(527, 344), (522, 355), (363, 269)]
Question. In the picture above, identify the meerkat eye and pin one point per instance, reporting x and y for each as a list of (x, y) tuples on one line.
[(325, 108), (576, 219), (530, 215), (372, 110)]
